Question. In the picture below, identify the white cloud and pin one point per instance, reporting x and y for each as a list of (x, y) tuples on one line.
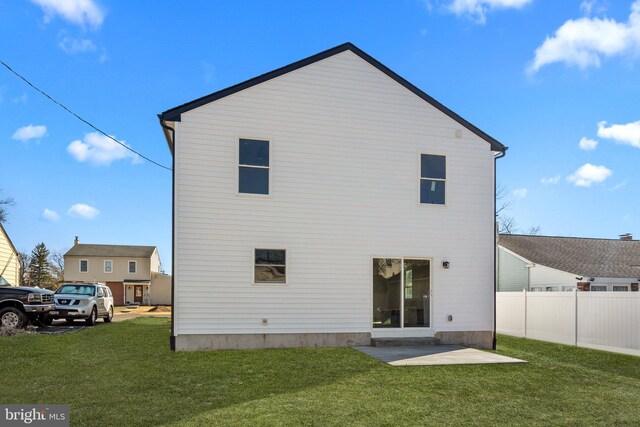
[(99, 150), (624, 134), (73, 46), (551, 180), (582, 42), (26, 133), (80, 210), (51, 216), (83, 13), (588, 174), (588, 144), (619, 186), (477, 9), (22, 99), (520, 193)]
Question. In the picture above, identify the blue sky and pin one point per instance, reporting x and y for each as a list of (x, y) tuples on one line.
[(557, 82)]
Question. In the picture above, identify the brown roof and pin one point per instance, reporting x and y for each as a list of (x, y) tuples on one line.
[(115, 251), (582, 256)]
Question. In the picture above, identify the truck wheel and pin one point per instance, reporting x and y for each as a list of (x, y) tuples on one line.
[(91, 320), (12, 317), (109, 316)]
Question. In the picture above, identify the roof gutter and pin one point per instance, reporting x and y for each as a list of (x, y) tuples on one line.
[(169, 133), (500, 155)]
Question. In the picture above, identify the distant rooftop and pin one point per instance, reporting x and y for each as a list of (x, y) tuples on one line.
[(111, 251), (586, 257)]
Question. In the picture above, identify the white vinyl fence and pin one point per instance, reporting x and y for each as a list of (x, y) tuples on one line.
[(602, 320)]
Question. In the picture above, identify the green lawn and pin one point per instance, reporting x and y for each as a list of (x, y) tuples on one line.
[(124, 374)]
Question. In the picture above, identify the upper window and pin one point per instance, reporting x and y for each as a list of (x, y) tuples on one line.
[(598, 288), (108, 266), (133, 267), (433, 175), (621, 288), (84, 266), (253, 173), (270, 266)]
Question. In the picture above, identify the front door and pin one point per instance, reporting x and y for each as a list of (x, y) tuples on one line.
[(137, 293), (401, 293)]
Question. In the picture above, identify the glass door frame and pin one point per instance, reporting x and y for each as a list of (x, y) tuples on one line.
[(402, 330)]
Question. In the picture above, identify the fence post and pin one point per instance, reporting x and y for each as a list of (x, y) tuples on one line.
[(575, 304), (525, 313)]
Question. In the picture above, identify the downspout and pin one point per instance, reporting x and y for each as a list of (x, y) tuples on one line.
[(495, 244), (172, 338)]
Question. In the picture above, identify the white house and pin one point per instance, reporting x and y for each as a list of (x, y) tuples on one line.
[(327, 203), (545, 263)]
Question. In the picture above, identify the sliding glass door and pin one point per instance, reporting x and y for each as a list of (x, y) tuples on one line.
[(401, 293)]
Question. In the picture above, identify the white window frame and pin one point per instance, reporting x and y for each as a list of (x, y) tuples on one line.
[(599, 290), (238, 165), (403, 330), (135, 270), (286, 265), (620, 286), (420, 179), (105, 266), (80, 265)]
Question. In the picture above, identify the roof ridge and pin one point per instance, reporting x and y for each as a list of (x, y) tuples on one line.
[(569, 237)]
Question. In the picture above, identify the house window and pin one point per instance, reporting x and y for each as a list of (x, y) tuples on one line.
[(270, 266), (598, 288), (133, 267), (620, 288), (253, 167), (108, 266), (433, 175), (84, 265)]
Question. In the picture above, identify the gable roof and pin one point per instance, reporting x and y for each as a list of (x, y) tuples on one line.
[(582, 256), (8, 239), (116, 251), (174, 114)]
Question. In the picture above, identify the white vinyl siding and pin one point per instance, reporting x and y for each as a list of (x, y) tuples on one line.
[(343, 130)]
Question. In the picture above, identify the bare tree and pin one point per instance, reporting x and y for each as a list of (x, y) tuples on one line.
[(24, 259), (56, 260), (4, 205), (506, 224), (534, 231)]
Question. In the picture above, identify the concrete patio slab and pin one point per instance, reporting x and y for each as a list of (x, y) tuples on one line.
[(432, 355)]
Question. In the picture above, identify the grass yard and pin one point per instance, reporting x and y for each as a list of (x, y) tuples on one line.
[(124, 374)]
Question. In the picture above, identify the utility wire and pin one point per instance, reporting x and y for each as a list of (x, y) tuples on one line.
[(80, 118)]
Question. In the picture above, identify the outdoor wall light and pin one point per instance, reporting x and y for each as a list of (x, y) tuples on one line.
[(592, 279), (578, 278), (445, 264)]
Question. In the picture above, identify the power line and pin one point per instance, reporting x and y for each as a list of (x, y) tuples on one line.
[(80, 118)]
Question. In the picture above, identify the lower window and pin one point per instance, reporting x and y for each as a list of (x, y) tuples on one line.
[(598, 288), (620, 288), (270, 266), (401, 293)]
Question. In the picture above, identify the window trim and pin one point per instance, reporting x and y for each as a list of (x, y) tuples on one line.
[(420, 179), (237, 165), (80, 265), (104, 265), (403, 330), (620, 286), (286, 265), (606, 288), (129, 266)]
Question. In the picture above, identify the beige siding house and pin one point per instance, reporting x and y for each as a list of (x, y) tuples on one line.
[(9, 261), (133, 273), (328, 203)]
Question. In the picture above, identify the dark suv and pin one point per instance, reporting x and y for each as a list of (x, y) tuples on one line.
[(19, 304)]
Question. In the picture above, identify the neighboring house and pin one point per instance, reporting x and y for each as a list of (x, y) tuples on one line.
[(9, 261), (133, 273), (325, 203), (543, 263)]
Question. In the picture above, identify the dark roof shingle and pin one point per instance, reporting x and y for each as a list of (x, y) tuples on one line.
[(111, 251), (582, 256)]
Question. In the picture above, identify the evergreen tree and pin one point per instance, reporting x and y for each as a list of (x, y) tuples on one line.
[(39, 267)]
